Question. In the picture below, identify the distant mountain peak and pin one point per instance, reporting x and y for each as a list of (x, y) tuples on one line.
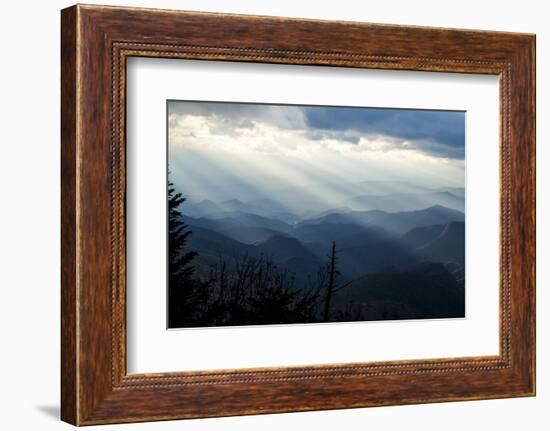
[(231, 201), (279, 239), (438, 208)]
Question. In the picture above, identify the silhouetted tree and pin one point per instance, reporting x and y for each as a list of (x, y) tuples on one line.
[(187, 295), (332, 275), (179, 258), (254, 290), (332, 286)]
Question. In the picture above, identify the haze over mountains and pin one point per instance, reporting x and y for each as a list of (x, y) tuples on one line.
[(295, 204), (402, 244)]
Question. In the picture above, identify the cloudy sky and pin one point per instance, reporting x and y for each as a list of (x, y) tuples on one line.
[(215, 149)]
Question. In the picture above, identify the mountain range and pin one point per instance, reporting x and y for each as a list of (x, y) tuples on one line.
[(295, 204), (366, 241)]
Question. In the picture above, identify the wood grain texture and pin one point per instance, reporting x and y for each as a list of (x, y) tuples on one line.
[(96, 41)]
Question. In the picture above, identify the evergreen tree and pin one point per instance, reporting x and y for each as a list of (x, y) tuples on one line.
[(187, 295), (179, 259)]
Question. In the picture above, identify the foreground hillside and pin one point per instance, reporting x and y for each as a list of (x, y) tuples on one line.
[(424, 291)]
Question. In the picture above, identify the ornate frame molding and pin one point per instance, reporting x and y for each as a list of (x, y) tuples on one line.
[(96, 41)]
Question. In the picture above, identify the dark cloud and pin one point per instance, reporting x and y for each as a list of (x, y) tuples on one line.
[(440, 133)]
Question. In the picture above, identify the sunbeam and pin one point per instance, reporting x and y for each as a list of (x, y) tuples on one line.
[(222, 152)]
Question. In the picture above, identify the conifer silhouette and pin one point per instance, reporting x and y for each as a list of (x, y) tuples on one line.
[(187, 295)]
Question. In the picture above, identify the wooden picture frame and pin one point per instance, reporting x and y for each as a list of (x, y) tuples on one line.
[(95, 43)]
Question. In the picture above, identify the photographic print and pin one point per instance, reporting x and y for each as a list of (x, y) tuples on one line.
[(296, 214)]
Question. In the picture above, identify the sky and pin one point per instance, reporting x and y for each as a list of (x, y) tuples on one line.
[(216, 150)]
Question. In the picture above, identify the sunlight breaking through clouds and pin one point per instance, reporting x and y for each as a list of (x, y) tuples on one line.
[(216, 148)]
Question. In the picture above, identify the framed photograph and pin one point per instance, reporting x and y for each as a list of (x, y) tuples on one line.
[(313, 214), (265, 215)]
